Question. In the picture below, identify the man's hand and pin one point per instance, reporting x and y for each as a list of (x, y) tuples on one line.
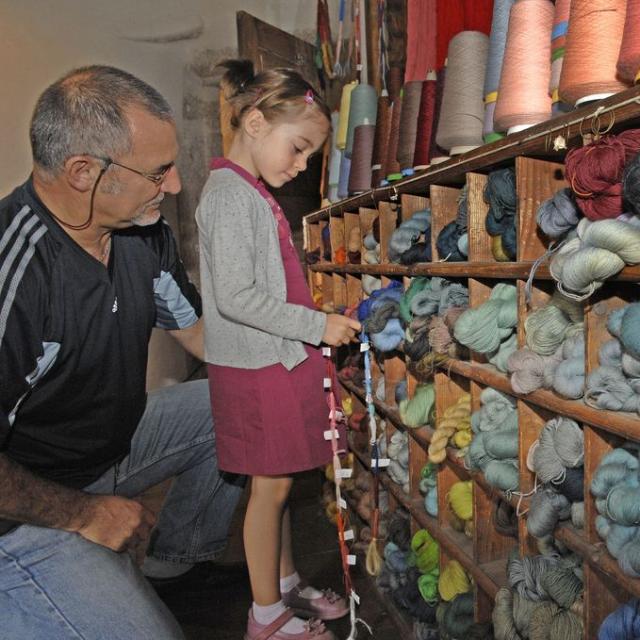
[(339, 330), (113, 522)]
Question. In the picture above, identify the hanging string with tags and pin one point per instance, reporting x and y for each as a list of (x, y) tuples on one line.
[(344, 533), (374, 560)]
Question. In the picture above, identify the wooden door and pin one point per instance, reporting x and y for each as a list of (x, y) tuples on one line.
[(269, 47)]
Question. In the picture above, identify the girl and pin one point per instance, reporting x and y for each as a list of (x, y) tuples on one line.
[(262, 335)]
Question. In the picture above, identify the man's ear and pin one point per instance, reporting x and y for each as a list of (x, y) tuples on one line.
[(81, 172), (254, 122)]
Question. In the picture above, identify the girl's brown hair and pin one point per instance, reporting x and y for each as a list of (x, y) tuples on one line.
[(275, 92)]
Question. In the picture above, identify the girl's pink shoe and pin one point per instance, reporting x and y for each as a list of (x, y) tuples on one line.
[(329, 606), (314, 629)]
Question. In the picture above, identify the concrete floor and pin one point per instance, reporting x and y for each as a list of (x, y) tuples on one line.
[(212, 603)]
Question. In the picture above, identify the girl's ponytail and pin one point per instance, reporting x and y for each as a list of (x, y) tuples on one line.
[(237, 78)]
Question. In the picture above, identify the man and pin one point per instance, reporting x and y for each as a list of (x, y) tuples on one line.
[(87, 268)]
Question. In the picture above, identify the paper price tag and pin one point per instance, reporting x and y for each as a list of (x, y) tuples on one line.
[(338, 415), (327, 383), (343, 503), (326, 351), (348, 534), (364, 346), (351, 559), (329, 434), (345, 473), (381, 462)]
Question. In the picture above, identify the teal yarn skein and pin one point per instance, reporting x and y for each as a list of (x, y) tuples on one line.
[(501, 445), (418, 411), (630, 330), (616, 467), (484, 328), (502, 474), (501, 357)]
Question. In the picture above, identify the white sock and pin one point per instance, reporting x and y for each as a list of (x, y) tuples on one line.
[(267, 614), (289, 582), (154, 568)]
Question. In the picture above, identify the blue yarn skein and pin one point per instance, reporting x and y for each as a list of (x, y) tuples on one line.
[(391, 292), (390, 338), (500, 195), (623, 623), (447, 243)]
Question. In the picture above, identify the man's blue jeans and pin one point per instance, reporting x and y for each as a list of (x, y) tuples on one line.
[(56, 585)]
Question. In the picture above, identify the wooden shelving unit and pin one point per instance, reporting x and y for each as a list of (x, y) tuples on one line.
[(539, 174)]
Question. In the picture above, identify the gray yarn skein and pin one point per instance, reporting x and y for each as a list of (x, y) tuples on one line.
[(610, 354), (546, 509), (524, 575), (560, 445), (562, 585), (438, 296), (608, 388), (408, 233), (600, 249), (546, 329), (370, 242), (577, 514), (558, 214)]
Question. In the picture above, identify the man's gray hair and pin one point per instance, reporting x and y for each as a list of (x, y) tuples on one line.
[(84, 113)]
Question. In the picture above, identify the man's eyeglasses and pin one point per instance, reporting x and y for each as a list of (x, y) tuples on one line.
[(156, 178)]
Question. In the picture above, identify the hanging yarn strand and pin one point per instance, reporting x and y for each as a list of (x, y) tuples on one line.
[(346, 558), (374, 560)]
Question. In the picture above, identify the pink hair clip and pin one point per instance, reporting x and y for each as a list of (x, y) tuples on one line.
[(308, 96), (259, 93)]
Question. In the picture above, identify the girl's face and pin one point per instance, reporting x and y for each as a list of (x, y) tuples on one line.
[(281, 150)]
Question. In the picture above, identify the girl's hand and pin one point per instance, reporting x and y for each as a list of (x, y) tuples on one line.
[(340, 330)]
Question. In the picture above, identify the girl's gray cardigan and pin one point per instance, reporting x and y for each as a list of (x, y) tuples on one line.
[(248, 323)]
